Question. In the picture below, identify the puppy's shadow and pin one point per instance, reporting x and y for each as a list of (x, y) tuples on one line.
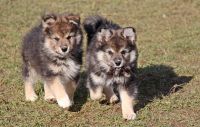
[(157, 81), (154, 81), (81, 94)]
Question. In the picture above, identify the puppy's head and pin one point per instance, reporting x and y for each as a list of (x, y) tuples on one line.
[(116, 47), (62, 32)]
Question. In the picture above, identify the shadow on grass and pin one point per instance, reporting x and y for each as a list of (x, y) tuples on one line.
[(81, 94), (156, 81)]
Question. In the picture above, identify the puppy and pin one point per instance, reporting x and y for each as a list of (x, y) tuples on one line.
[(111, 61), (53, 51)]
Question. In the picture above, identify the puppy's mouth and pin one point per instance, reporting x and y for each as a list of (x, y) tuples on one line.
[(117, 68), (123, 70), (61, 55), (115, 71)]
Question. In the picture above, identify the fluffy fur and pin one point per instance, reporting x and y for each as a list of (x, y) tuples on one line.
[(53, 51), (111, 61)]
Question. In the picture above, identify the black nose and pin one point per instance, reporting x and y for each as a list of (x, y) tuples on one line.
[(118, 63), (64, 49)]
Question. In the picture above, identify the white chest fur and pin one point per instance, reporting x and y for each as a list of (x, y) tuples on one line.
[(104, 80), (69, 69)]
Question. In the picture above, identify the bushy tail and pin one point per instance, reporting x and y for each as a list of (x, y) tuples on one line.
[(91, 25)]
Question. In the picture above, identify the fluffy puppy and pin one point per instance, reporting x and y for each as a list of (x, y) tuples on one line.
[(53, 51), (111, 61)]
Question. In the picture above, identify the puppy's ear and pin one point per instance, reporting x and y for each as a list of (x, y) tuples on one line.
[(75, 19), (103, 35), (130, 34), (48, 20)]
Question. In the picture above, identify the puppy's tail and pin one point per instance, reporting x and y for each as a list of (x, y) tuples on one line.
[(91, 25)]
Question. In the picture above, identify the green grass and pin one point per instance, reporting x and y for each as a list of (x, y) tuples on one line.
[(169, 48)]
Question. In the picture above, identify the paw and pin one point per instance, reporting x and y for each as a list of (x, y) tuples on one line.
[(129, 116), (96, 97), (31, 98), (113, 99), (65, 102), (50, 99)]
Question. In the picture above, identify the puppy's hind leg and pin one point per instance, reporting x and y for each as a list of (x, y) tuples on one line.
[(96, 91), (49, 96), (29, 77), (110, 95), (70, 89)]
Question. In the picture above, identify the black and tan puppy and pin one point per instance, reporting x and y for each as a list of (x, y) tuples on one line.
[(53, 51), (111, 61)]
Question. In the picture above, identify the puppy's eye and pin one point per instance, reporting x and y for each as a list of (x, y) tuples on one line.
[(69, 37), (110, 52), (123, 52), (57, 39)]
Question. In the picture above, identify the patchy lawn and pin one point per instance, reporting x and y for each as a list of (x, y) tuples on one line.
[(168, 67)]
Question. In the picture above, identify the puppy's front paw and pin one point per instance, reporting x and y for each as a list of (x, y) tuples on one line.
[(113, 99), (64, 102), (31, 98), (96, 96), (129, 116)]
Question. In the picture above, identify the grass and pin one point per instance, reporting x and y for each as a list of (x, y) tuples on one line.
[(168, 66)]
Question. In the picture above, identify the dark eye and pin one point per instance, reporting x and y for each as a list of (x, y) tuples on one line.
[(69, 37), (110, 52), (57, 39), (123, 52)]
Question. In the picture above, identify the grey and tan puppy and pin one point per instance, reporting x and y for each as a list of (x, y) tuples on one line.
[(111, 61), (53, 51)]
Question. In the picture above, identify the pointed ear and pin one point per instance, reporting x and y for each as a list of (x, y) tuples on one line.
[(48, 20), (130, 34), (75, 19), (103, 35)]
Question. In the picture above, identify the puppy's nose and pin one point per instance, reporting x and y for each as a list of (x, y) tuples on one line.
[(117, 63), (64, 48)]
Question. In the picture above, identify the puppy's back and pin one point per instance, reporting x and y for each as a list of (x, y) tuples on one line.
[(31, 43)]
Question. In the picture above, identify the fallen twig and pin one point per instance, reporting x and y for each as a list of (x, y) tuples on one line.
[(172, 90)]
